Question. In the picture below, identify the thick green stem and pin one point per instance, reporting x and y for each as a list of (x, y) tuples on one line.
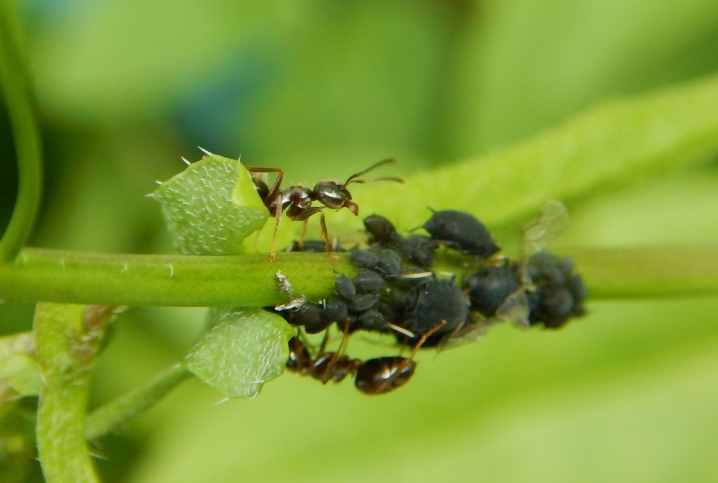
[(18, 95), (67, 340), (105, 418), (157, 280), (249, 281)]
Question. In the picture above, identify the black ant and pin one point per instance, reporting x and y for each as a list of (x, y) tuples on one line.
[(297, 200), (373, 376)]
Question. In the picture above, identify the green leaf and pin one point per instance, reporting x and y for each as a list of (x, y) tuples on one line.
[(243, 349), (610, 146), (19, 370), (211, 207)]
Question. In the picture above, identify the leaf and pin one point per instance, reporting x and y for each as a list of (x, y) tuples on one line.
[(243, 349), (19, 370), (211, 207), (611, 146)]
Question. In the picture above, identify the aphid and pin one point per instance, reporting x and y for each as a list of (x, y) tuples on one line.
[(368, 281), (435, 301), (364, 259), (537, 235), (335, 311), (309, 315), (419, 249), (488, 288), (297, 200), (372, 320), (461, 231), (519, 306), (345, 287), (314, 246), (362, 302), (557, 293), (389, 263), (382, 231)]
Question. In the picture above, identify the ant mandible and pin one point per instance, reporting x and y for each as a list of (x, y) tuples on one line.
[(297, 200)]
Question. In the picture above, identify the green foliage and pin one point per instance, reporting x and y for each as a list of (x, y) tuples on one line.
[(19, 371), (211, 207), (322, 90), (243, 349)]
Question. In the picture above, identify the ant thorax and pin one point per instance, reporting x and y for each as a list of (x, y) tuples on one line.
[(297, 196)]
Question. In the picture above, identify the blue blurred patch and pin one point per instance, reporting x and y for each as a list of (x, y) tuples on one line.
[(217, 114)]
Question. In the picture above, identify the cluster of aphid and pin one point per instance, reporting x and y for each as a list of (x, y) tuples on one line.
[(397, 292)]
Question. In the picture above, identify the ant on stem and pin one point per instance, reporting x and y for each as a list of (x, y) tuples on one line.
[(297, 200), (373, 376)]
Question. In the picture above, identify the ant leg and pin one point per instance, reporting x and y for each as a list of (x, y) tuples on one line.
[(304, 232), (277, 217), (272, 194), (325, 233), (273, 201), (304, 215), (408, 362), (423, 338), (325, 365)]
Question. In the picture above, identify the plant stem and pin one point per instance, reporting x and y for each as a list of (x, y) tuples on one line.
[(162, 280), (18, 94), (249, 281), (67, 339), (654, 272), (107, 417)]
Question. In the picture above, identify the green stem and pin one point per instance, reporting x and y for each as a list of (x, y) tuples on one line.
[(161, 280), (18, 94), (107, 417), (249, 281), (67, 340), (654, 272)]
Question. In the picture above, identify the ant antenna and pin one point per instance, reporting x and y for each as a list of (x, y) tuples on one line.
[(354, 178)]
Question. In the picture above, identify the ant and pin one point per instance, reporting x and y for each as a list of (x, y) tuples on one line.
[(373, 376), (297, 200)]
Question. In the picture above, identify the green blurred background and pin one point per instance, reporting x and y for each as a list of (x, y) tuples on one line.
[(323, 89)]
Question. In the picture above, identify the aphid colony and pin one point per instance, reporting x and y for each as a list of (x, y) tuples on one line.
[(396, 292)]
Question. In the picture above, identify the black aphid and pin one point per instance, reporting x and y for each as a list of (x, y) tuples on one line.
[(381, 230), (364, 259), (345, 287), (461, 231), (368, 281), (419, 249), (436, 301), (489, 288)]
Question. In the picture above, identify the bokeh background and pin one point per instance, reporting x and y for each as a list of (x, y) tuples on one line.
[(323, 89)]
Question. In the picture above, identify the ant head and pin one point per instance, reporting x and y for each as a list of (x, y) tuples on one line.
[(334, 195)]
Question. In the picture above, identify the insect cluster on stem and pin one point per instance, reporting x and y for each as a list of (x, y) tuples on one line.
[(397, 292), (296, 200)]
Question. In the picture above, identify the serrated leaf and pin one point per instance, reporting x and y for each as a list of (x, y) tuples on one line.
[(211, 207), (243, 349), (19, 370)]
